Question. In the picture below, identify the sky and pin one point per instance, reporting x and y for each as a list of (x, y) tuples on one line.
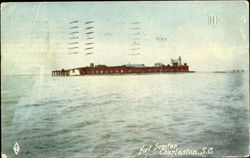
[(209, 36)]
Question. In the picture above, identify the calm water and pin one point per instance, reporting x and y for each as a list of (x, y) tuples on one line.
[(115, 116)]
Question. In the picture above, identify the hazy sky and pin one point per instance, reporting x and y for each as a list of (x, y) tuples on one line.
[(208, 35)]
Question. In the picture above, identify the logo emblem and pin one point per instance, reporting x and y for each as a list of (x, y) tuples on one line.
[(16, 148)]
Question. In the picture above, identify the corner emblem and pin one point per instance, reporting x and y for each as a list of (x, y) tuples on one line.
[(16, 148)]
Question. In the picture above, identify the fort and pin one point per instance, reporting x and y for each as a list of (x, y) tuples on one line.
[(176, 66)]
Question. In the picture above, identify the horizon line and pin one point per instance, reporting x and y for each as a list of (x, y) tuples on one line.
[(225, 71)]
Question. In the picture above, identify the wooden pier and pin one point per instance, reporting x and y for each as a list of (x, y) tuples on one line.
[(60, 73)]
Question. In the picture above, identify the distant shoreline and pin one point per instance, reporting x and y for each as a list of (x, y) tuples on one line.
[(4, 75)]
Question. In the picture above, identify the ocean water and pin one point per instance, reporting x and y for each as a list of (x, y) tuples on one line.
[(118, 116)]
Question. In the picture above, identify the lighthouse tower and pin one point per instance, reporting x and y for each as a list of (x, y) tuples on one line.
[(179, 61)]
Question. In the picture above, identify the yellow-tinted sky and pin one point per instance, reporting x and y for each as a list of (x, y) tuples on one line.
[(35, 37)]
